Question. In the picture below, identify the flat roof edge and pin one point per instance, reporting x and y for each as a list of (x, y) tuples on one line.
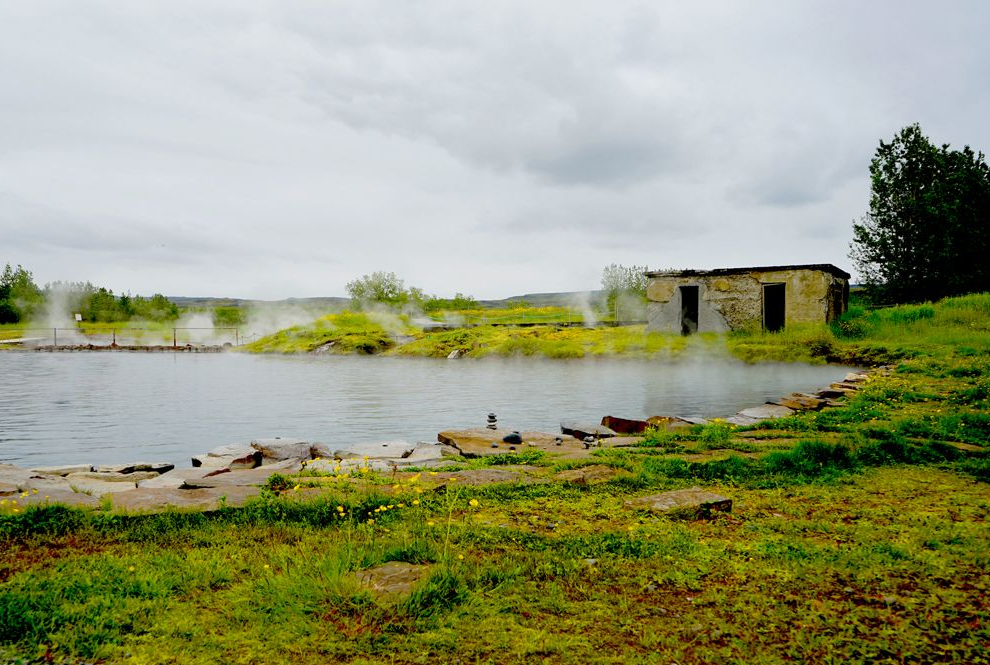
[(822, 267)]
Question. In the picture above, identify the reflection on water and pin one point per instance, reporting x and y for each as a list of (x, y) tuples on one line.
[(122, 407)]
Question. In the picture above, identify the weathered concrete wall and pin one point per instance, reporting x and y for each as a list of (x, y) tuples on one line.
[(735, 301)]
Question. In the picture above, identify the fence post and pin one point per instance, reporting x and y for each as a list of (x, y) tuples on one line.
[(54, 336), (173, 338)]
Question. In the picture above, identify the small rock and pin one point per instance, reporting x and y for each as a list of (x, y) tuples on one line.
[(320, 450), (63, 470), (513, 438), (695, 501), (455, 354)]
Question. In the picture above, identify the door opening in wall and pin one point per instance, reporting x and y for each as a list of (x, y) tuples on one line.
[(773, 307), (689, 309)]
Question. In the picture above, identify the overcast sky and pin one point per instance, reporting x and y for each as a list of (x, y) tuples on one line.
[(278, 149)]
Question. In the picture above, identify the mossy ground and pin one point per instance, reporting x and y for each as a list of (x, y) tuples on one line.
[(859, 534)]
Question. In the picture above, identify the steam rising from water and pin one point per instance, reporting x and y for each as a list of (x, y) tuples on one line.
[(582, 303)]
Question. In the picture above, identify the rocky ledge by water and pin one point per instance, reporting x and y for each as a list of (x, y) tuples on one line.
[(230, 475)]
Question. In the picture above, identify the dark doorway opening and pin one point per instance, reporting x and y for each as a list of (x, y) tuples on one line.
[(773, 307), (689, 309)]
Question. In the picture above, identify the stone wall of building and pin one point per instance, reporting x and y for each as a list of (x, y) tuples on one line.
[(733, 299)]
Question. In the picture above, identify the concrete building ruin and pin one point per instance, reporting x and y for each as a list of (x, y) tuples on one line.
[(770, 297)]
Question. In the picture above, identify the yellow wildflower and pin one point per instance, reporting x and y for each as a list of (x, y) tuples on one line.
[(473, 503)]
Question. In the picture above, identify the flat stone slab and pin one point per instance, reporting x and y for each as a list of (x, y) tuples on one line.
[(15, 475), (375, 450), (392, 579), (109, 477), (133, 467), (673, 423), (582, 430), (766, 412), (246, 478), (477, 442), (488, 477), (174, 478), (742, 421), (591, 475), (62, 470), (156, 500), (802, 402), (65, 497), (230, 457), (694, 501)]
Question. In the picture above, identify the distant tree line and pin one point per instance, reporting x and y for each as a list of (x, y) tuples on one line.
[(22, 300)]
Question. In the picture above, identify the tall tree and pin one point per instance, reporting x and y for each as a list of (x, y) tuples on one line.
[(619, 280), (378, 287), (927, 234), (20, 297)]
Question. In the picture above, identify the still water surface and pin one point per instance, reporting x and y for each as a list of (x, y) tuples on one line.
[(123, 407)]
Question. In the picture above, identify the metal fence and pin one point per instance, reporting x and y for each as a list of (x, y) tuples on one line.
[(110, 335)]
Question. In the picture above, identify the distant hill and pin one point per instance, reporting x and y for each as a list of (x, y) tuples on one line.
[(561, 299)]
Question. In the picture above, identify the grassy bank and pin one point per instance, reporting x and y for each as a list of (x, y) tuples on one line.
[(960, 325), (858, 534)]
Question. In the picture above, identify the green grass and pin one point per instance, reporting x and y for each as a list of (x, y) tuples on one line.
[(348, 332), (863, 567), (858, 534)]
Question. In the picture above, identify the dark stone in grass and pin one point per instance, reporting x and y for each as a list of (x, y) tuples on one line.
[(392, 580), (513, 438), (691, 502)]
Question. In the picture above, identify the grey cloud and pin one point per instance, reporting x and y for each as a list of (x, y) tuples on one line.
[(282, 148)]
